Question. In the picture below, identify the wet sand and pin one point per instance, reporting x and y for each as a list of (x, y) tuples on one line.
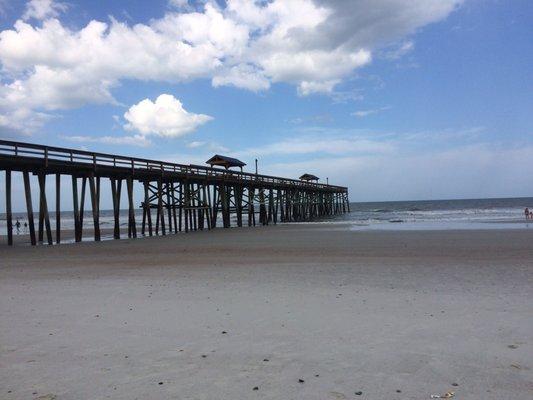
[(213, 315)]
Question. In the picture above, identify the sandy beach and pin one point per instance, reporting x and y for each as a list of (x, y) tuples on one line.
[(297, 311)]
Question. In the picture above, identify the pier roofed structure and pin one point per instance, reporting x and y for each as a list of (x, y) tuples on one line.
[(175, 197)]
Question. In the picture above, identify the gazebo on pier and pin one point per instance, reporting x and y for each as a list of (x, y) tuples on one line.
[(309, 177), (224, 161)]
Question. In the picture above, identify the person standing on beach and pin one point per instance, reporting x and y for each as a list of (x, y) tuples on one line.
[(17, 224), (526, 211)]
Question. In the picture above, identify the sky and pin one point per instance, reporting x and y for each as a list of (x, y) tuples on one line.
[(396, 99)]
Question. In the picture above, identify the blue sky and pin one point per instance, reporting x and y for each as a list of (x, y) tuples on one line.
[(397, 100)]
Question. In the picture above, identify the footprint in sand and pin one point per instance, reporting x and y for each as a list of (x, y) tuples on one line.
[(337, 395)]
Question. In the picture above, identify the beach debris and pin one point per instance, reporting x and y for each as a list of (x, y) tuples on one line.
[(266, 360), (224, 332), (359, 393), (47, 397), (160, 383), (447, 395), (256, 388), (301, 380)]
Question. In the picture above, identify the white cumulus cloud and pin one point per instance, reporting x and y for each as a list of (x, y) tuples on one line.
[(164, 117), (47, 64)]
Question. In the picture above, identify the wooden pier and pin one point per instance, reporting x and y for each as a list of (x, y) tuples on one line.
[(176, 198)]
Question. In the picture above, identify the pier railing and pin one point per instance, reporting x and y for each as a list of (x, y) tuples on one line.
[(50, 153)]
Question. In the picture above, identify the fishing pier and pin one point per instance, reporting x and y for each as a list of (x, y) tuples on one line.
[(175, 197)]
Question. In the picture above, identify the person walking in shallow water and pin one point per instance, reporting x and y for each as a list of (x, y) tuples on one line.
[(526, 211), (17, 224)]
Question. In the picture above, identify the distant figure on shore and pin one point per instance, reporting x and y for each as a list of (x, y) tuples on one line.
[(25, 227), (528, 214), (17, 224)]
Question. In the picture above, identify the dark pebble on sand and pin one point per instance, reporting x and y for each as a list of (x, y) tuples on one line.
[(358, 393), (256, 388), (265, 360), (224, 332), (301, 380), (160, 383)]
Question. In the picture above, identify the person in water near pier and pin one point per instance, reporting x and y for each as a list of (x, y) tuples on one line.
[(528, 214), (17, 224)]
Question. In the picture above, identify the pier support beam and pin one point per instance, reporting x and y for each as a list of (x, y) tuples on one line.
[(29, 206), (75, 208), (132, 227), (44, 207), (147, 214), (9, 216), (58, 208), (116, 186), (95, 205)]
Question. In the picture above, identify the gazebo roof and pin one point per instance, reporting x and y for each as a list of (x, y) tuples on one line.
[(224, 161), (309, 177)]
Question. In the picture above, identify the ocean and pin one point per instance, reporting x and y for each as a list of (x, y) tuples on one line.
[(503, 213)]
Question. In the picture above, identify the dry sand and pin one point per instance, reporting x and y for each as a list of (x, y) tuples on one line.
[(212, 315)]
